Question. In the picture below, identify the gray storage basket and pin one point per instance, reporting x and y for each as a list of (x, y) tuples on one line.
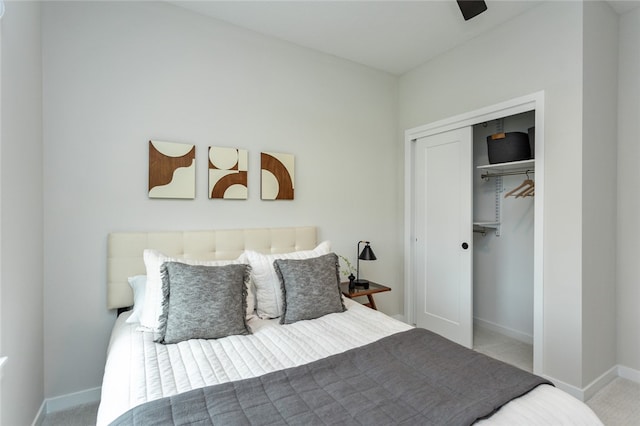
[(507, 147)]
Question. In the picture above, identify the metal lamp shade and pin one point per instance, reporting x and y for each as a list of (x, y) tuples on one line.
[(367, 253)]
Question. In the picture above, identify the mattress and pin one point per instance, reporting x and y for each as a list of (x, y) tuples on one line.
[(138, 370)]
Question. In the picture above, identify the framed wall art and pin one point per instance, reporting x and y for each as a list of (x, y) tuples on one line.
[(228, 173), (277, 176), (172, 170)]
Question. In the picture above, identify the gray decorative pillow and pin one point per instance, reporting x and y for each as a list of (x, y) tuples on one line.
[(310, 287), (202, 302)]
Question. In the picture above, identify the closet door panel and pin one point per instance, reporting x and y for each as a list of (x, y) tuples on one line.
[(444, 234)]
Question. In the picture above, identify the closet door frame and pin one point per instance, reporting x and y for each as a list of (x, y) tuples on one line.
[(532, 102)]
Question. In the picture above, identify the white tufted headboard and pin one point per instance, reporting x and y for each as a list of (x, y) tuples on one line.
[(124, 253)]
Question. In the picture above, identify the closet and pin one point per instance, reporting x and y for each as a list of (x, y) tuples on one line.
[(503, 241), (474, 258)]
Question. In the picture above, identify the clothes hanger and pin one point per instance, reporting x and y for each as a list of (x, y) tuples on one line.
[(527, 192), (526, 185)]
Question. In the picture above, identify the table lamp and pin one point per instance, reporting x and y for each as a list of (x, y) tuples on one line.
[(365, 254)]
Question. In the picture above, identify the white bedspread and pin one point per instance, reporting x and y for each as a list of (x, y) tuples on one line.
[(138, 370)]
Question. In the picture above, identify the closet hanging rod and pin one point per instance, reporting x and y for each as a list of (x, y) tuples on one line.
[(488, 175)]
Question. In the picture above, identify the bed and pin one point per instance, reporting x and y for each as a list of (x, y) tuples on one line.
[(348, 364)]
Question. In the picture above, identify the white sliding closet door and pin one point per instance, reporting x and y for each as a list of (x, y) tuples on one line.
[(444, 234)]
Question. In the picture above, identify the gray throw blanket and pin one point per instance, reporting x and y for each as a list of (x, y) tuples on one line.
[(415, 378)]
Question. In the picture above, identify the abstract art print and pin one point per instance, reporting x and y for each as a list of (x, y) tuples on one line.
[(172, 170), (277, 173), (228, 173)]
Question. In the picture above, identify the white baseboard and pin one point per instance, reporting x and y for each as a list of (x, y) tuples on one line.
[(574, 391), (40, 415), (592, 388), (505, 331), (602, 381), (59, 403), (629, 373), (73, 399)]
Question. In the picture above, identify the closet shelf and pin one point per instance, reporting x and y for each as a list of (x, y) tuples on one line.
[(513, 165), (493, 225), (483, 227)]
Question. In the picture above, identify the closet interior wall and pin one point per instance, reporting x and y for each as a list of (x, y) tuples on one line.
[(503, 265)]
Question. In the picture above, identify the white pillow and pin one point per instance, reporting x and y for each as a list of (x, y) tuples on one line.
[(153, 259), (268, 292), (138, 285)]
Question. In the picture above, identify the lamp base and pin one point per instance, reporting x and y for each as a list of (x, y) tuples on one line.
[(362, 283)]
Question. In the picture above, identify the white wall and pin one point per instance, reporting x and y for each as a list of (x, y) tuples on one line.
[(538, 50), (599, 154), (117, 74), (628, 243), (21, 218)]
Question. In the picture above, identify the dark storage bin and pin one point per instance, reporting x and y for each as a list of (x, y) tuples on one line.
[(532, 141), (505, 147)]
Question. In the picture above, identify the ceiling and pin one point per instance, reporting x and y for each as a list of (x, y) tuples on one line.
[(393, 36)]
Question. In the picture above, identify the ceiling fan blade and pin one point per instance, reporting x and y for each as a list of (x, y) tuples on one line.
[(471, 8)]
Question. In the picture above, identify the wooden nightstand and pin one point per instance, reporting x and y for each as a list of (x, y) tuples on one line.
[(369, 292)]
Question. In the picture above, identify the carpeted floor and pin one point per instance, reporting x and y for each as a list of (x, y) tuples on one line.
[(618, 403), (503, 348), (82, 415)]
